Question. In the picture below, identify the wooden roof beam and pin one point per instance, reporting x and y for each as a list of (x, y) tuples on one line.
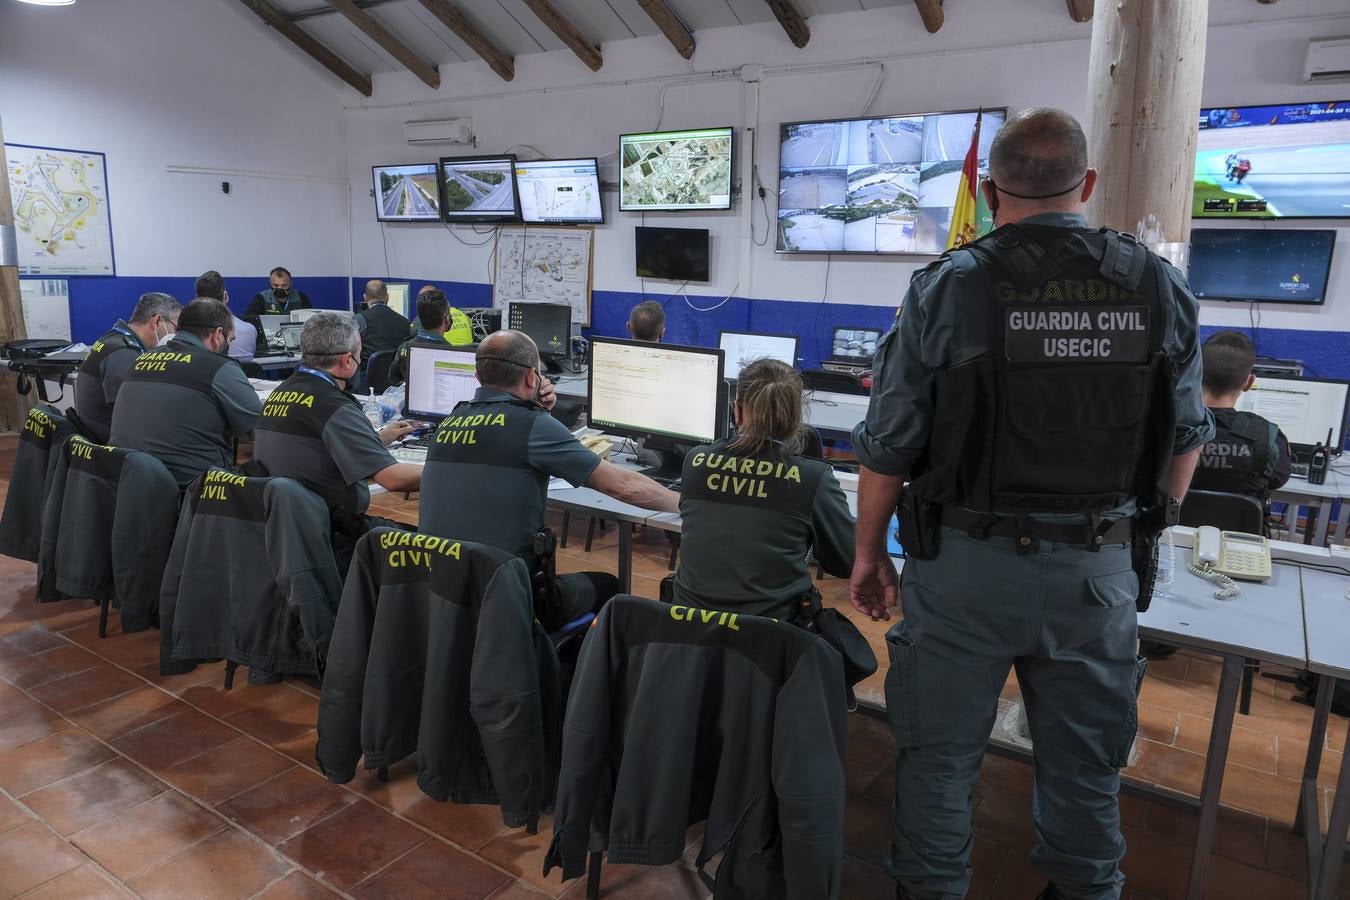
[(1080, 10), (670, 26), (791, 20), (454, 19), (365, 22), (568, 33), (301, 38), (931, 13)]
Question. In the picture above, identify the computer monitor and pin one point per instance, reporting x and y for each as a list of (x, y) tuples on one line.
[(399, 292), (438, 379), (549, 324), (406, 193), (854, 346), (1305, 409), (743, 347), (643, 390), (677, 254), (272, 324), (290, 336), (676, 170), (560, 191), (1265, 265), (479, 189), (301, 315)]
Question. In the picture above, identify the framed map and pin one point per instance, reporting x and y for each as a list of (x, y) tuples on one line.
[(538, 264), (61, 210)]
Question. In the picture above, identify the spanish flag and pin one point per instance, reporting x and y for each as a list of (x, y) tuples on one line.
[(964, 212)]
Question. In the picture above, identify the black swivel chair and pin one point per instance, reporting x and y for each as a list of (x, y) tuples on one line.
[(1230, 512), (377, 371)]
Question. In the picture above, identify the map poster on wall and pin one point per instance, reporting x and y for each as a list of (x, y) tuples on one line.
[(60, 210), (544, 265)]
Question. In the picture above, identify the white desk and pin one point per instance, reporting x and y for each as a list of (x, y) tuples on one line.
[(833, 412), (1299, 491)]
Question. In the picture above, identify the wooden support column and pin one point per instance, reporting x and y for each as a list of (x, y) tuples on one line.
[(787, 15), (931, 13), (452, 18), (11, 304), (301, 38), (568, 33), (670, 26), (1145, 74), (1080, 10), (365, 22)]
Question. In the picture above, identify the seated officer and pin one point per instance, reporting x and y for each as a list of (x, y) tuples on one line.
[(381, 327), (753, 506), (647, 322), (487, 471), (186, 402), (110, 358), (459, 331), (434, 321), (1248, 454), (312, 430), (244, 344), (278, 299)]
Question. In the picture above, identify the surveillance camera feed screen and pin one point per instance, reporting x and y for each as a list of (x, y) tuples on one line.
[(676, 170), (406, 193), (883, 185), (1274, 162), (479, 189)]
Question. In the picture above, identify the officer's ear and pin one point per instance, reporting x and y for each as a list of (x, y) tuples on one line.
[(990, 193), (1089, 183), (1247, 385)]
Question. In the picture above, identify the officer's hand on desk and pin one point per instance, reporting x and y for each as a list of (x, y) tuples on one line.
[(874, 588), (548, 395), (395, 431)]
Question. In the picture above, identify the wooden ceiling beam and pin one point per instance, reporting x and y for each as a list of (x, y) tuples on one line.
[(1080, 10), (787, 15), (454, 19), (301, 38), (931, 13), (367, 25), (568, 33), (670, 26)]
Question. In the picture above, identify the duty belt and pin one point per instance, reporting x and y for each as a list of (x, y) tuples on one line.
[(1027, 531)]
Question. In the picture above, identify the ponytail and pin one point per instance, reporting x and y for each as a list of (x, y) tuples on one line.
[(769, 394)]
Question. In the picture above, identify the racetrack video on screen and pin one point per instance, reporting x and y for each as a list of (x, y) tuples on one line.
[(1297, 170)]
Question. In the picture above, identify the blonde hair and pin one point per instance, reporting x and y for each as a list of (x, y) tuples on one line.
[(769, 396)]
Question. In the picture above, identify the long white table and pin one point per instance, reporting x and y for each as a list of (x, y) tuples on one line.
[(1320, 497)]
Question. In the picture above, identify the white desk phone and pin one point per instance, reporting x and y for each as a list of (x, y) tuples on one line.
[(1221, 556)]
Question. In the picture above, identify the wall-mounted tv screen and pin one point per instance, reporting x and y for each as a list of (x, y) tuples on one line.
[(679, 254), (406, 193), (479, 189), (675, 170), (1273, 162), (560, 191), (877, 185), (1267, 265)]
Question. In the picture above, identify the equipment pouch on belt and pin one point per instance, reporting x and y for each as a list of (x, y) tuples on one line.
[(1144, 548), (841, 634), (544, 579), (920, 526)]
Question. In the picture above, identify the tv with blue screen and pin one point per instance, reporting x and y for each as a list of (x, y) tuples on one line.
[(1263, 265)]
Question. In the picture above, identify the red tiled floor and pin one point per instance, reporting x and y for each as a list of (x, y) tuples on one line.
[(31, 855), (284, 715), (353, 844), (229, 865), (171, 741), (93, 796), (428, 871), (398, 793), (522, 855), (227, 771), (129, 712), (296, 886), (85, 883), (286, 805), (11, 815), (85, 688), (56, 756), (147, 835), (468, 825), (28, 722)]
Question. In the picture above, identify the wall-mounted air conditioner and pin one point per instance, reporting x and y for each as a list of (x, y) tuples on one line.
[(439, 131), (1328, 60)]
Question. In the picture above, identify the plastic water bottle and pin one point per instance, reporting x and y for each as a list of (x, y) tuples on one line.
[(373, 411), (1167, 556)]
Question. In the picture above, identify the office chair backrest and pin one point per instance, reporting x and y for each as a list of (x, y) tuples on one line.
[(43, 438), (1231, 512), (839, 382), (377, 370)]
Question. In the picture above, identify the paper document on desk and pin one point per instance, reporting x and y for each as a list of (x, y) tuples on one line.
[(558, 484)]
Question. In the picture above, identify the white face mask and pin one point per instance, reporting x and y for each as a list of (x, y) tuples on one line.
[(164, 339)]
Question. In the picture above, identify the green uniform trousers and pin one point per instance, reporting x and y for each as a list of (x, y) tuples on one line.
[(1064, 619)]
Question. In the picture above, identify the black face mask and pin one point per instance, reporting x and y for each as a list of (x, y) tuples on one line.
[(281, 293)]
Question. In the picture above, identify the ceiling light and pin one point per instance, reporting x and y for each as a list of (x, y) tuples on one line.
[(49, 2)]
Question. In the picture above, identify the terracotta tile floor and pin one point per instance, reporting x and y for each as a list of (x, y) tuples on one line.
[(117, 782)]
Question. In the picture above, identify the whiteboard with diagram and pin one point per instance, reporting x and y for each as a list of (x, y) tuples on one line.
[(539, 264)]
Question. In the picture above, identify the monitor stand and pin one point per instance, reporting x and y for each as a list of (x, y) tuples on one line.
[(670, 458), (552, 365)]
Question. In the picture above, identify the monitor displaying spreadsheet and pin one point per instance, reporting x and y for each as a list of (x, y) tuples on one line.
[(639, 389), (1305, 409), (438, 379)]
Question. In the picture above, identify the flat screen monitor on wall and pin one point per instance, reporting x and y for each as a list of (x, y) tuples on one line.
[(479, 189), (1289, 161), (406, 193), (676, 170), (1266, 265), (678, 254), (560, 192), (877, 185)]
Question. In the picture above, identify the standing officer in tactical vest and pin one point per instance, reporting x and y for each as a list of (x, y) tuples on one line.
[(314, 431), (153, 321), (488, 467), (1249, 455), (1042, 396), (186, 402)]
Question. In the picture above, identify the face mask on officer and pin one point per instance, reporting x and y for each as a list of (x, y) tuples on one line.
[(281, 293), (169, 329)]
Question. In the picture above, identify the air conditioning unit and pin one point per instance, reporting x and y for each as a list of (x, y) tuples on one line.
[(439, 131), (1328, 60)]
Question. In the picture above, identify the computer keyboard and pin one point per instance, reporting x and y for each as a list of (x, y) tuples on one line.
[(410, 454), (422, 441)]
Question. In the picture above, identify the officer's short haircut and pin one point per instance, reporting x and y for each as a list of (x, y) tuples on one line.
[(204, 315), (154, 304), (1228, 359), (1040, 152), (210, 285), (769, 393), (432, 308), (325, 337), (646, 321), (426, 288), (375, 290), (280, 270), (504, 358)]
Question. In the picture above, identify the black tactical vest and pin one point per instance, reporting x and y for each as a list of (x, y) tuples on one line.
[(184, 364), (1070, 408), (489, 432), (104, 347), (772, 483), (302, 405), (1237, 460)]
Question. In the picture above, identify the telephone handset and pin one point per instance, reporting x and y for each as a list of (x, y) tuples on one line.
[(1221, 556)]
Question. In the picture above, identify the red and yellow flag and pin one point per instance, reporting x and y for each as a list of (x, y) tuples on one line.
[(965, 211)]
